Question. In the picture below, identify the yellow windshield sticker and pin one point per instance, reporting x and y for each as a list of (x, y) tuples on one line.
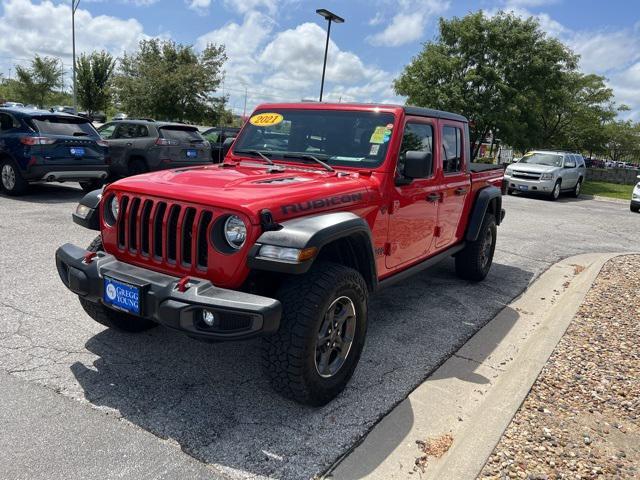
[(266, 119), (380, 135)]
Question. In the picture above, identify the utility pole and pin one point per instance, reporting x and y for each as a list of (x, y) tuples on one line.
[(74, 7), (330, 17)]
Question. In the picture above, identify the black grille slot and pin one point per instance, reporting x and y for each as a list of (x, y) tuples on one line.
[(158, 218), (203, 241), (122, 216), (172, 231), (187, 235), (144, 227), (133, 224)]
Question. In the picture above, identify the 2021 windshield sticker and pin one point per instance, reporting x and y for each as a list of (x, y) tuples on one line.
[(380, 135), (266, 119)]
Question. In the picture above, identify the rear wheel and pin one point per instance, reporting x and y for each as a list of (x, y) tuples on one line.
[(578, 187), (137, 166), (91, 185), (474, 261), (314, 353), (109, 317), (11, 180)]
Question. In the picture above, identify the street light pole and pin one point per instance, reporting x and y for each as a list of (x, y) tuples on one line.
[(74, 7), (330, 17)]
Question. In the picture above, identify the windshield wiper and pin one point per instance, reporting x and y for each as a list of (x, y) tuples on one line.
[(256, 152), (310, 157)]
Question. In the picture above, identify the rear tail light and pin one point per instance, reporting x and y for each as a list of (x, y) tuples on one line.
[(165, 142), (37, 140)]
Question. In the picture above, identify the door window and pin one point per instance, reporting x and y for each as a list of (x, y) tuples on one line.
[(106, 131), (416, 137), (451, 150), (7, 122)]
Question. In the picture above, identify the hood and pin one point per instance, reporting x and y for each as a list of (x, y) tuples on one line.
[(250, 188), (531, 168)]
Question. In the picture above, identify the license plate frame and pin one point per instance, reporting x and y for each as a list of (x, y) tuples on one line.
[(523, 188), (124, 296)]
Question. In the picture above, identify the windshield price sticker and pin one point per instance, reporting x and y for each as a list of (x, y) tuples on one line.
[(380, 135), (266, 119)]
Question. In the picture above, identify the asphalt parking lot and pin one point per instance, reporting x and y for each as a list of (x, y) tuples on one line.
[(211, 399)]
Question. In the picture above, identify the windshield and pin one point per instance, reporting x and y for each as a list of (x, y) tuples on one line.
[(353, 139), (71, 126), (550, 159)]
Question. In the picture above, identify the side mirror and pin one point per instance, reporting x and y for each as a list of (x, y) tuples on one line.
[(417, 164), (226, 145)]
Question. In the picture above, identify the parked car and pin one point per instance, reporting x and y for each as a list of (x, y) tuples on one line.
[(635, 198), (99, 117), (315, 208), (216, 136), (139, 146), (120, 116), (37, 145), (547, 172), (12, 105), (65, 109)]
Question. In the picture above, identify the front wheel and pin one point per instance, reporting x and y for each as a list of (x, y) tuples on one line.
[(315, 352), (635, 208), (474, 261), (555, 193), (109, 317), (11, 180)]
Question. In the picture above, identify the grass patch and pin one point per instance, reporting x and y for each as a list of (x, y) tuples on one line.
[(606, 189)]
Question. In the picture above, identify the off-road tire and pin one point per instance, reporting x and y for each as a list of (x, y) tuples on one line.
[(577, 188), (109, 317), (15, 184), (91, 185), (557, 190), (289, 356), (474, 261), (137, 166)]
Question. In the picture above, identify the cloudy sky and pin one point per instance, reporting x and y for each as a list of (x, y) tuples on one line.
[(275, 47)]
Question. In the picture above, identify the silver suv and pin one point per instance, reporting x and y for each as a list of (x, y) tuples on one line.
[(547, 172)]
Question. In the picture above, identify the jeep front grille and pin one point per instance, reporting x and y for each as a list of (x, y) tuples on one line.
[(159, 231)]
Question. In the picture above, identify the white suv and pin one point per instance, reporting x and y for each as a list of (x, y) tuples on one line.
[(635, 198), (547, 172)]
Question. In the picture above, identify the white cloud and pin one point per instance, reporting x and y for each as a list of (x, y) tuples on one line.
[(200, 6), (601, 52), (27, 28), (408, 24), (246, 6)]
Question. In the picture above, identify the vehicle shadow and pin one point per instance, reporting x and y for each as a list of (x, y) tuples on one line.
[(214, 402), (50, 193), (564, 197)]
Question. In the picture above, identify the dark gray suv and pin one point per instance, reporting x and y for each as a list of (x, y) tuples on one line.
[(139, 146)]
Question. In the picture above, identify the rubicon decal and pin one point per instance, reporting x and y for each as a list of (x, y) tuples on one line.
[(321, 203)]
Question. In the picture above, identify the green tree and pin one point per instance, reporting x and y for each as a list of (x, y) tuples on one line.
[(490, 69), (36, 83), (623, 139), (93, 84), (170, 81)]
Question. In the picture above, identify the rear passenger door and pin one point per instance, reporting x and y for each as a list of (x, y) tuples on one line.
[(570, 171), (455, 180)]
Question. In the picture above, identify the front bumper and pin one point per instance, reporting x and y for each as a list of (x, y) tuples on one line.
[(239, 315), (533, 186)]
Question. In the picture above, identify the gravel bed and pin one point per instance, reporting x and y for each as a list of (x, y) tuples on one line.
[(581, 419)]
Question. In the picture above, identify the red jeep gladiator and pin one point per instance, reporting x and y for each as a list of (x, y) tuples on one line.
[(316, 207)]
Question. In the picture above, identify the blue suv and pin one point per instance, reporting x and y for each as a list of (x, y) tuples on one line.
[(39, 145)]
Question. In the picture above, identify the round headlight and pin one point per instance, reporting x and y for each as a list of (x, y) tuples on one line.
[(235, 231), (114, 206)]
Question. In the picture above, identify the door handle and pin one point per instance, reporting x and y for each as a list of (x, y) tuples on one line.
[(433, 197), (129, 144), (460, 191)]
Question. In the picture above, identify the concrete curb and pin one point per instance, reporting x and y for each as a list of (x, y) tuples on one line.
[(475, 393), (600, 198)]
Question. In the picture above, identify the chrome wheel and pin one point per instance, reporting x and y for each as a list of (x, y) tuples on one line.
[(485, 251), (578, 186), (556, 191), (8, 177), (335, 337)]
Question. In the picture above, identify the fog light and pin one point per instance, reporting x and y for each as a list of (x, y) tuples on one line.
[(208, 318), (82, 211)]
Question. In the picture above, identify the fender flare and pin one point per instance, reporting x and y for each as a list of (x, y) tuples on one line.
[(314, 231), (92, 219), (484, 199)]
